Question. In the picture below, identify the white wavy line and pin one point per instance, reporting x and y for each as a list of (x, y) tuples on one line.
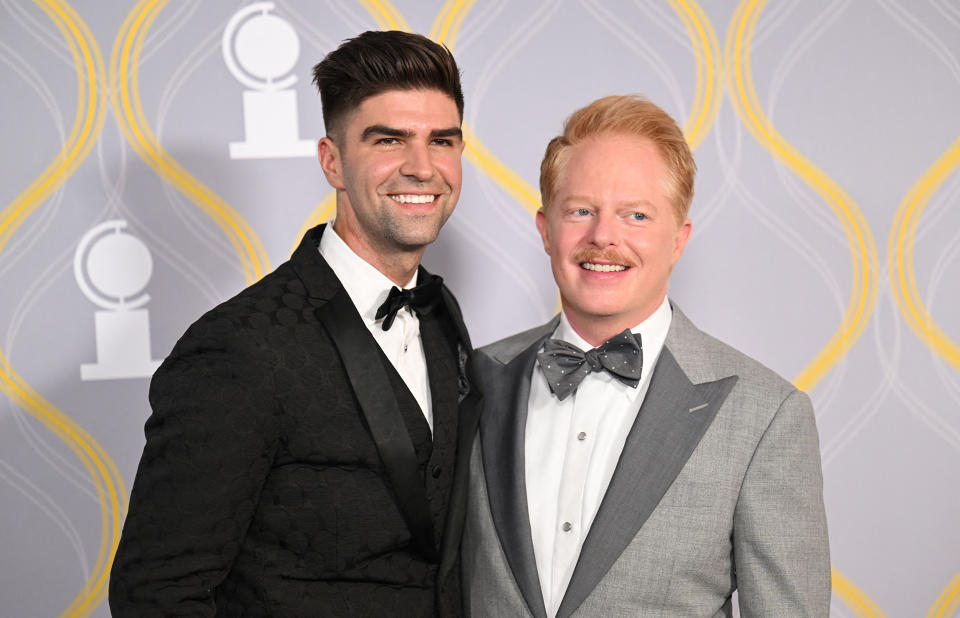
[(633, 40), (923, 34), (166, 25), (43, 31), (889, 364), (313, 34), (494, 254), (668, 21), (357, 22), (495, 196), (509, 48), (116, 207), (495, 206), (48, 507), (201, 226), (939, 273), (705, 212), (19, 245), (947, 9), (802, 42), (70, 469), (791, 238), (480, 19), (937, 209), (773, 16)]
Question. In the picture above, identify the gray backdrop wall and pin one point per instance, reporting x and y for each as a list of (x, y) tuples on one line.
[(157, 158)]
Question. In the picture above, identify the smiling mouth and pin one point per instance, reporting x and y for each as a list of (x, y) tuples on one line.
[(413, 198), (602, 268)]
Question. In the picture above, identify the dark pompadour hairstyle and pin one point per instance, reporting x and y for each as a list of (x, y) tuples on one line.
[(377, 61)]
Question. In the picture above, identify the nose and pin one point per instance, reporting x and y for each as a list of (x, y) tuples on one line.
[(604, 231), (417, 162)]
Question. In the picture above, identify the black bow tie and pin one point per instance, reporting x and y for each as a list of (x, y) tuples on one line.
[(565, 365), (422, 299)]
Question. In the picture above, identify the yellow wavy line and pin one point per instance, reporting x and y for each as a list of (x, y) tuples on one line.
[(900, 250), (447, 25), (320, 214), (385, 14), (855, 598), (86, 125), (946, 604), (88, 122), (509, 181), (441, 19), (126, 103), (862, 248), (706, 49), (863, 253)]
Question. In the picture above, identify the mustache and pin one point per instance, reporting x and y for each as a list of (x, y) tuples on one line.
[(591, 254)]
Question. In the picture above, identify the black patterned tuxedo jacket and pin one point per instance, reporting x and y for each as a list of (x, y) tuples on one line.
[(288, 470)]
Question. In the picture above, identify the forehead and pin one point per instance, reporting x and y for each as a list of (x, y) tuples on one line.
[(406, 109), (613, 167)]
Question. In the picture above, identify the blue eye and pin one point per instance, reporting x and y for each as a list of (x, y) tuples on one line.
[(582, 212), (638, 216)]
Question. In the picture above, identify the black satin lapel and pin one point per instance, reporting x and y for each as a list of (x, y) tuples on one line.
[(502, 429), (673, 418), (369, 379)]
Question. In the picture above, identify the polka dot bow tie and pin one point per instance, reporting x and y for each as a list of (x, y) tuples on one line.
[(422, 299), (565, 365)]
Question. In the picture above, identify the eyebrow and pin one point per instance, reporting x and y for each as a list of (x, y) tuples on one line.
[(624, 204), (383, 130)]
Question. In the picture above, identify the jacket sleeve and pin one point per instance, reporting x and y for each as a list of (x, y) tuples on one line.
[(781, 552), (209, 445)]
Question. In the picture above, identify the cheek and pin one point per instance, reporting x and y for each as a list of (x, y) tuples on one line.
[(451, 169)]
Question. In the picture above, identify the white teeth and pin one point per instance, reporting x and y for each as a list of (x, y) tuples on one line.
[(603, 268), (413, 199)]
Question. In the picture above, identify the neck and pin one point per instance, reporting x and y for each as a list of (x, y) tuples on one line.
[(398, 265), (596, 330)]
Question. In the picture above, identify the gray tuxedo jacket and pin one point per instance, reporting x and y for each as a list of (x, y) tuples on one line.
[(718, 488)]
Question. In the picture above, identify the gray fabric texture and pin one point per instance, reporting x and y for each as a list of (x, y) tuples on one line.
[(718, 489)]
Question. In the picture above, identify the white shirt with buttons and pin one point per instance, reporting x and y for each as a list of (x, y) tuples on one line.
[(572, 449), (367, 287)]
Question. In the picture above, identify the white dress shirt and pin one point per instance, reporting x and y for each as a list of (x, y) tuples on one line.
[(368, 288), (572, 449)]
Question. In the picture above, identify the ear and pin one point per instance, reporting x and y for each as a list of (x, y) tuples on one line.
[(542, 228), (680, 241), (331, 160)]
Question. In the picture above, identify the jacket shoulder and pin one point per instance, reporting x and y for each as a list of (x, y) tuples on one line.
[(705, 358), (506, 349)]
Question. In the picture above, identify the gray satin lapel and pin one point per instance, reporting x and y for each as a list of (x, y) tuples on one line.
[(661, 440), (502, 426)]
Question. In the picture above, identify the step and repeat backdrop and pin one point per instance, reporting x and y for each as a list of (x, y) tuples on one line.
[(160, 156)]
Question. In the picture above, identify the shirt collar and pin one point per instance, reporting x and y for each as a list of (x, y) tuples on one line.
[(652, 331), (366, 286)]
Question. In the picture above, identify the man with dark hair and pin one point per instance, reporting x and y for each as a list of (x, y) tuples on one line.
[(306, 455), (628, 463)]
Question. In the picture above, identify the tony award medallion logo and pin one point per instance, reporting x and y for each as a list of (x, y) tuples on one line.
[(260, 49), (112, 268)]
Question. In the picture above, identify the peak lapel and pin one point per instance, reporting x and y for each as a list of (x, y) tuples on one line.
[(369, 379), (673, 418), (502, 429)]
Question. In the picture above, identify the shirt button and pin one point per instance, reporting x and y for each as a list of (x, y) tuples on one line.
[(582, 436), (437, 470), (567, 526)]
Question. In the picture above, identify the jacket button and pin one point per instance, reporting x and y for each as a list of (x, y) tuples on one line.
[(436, 472)]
